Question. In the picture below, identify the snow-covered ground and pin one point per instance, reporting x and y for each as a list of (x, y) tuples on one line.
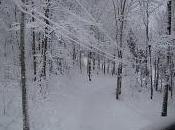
[(74, 103)]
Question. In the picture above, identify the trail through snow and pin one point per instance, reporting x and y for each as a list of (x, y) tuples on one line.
[(102, 112), (77, 104), (80, 105)]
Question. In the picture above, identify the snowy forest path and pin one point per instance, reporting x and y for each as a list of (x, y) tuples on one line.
[(101, 111), (78, 104)]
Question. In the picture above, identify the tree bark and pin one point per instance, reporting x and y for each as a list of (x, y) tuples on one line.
[(74, 55), (104, 67), (23, 73), (120, 53), (165, 100), (45, 42), (34, 49), (167, 86), (80, 61), (151, 77), (157, 74), (89, 65)]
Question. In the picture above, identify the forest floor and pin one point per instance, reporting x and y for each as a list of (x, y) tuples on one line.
[(74, 103)]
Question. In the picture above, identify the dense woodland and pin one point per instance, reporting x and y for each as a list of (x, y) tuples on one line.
[(42, 39)]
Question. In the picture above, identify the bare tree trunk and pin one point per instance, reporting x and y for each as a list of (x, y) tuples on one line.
[(45, 42), (94, 61), (34, 55), (167, 86), (165, 100), (157, 74), (89, 65), (98, 63), (151, 77), (120, 53), (171, 76), (116, 11), (80, 61), (104, 67), (169, 5), (113, 69), (137, 65), (161, 84), (23, 73), (74, 55), (34, 49), (169, 28), (147, 38), (171, 79), (141, 76)]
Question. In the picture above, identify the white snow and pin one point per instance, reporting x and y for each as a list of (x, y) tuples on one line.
[(77, 104)]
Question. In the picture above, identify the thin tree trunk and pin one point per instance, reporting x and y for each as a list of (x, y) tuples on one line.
[(155, 73), (171, 77), (34, 55), (45, 42), (74, 55), (23, 73), (93, 61), (161, 84), (80, 61), (157, 80), (113, 63), (120, 53), (104, 67), (89, 65), (172, 85), (141, 76), (151, 77), (165, 101), (113, 69), (34, 49), (98, 66), (166, 87), (147, 40)]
